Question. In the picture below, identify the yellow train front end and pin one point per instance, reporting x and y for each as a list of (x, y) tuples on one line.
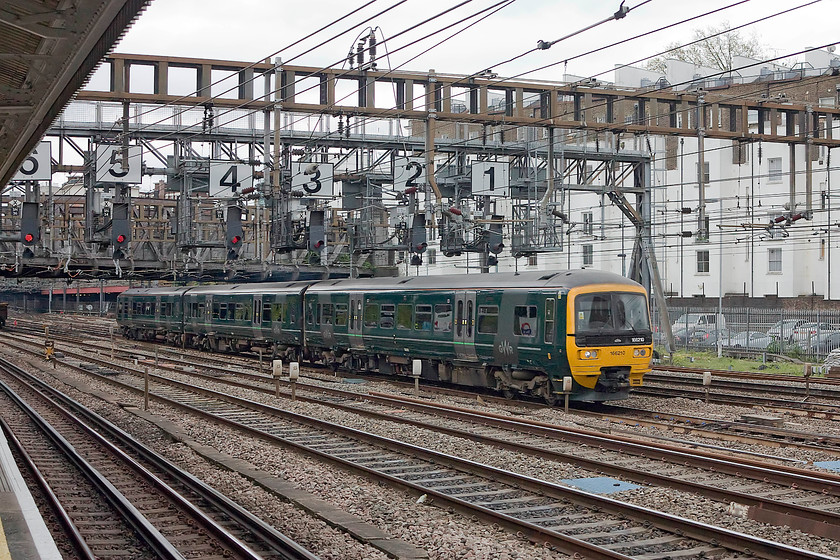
[(609, 343)]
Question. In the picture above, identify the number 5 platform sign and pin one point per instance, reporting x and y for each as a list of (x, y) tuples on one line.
[(490, 178), (314, 179), (409, 172), (37, 167), (229, 178), (112, 166)]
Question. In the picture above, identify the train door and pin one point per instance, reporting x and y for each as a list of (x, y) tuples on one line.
[(465, 325), (256, 317), (354, 328)]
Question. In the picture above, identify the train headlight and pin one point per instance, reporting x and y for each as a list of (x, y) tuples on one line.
[(588, 354), (639, 352)]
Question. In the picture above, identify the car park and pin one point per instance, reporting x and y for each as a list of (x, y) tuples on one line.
[(783, 329), (807, 334), (750, 340), (825, 343)]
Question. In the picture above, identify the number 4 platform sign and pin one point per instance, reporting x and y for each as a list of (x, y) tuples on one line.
[(37, 167), (229, 178)]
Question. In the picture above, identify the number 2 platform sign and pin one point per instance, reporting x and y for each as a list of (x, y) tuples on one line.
[(409, 172)]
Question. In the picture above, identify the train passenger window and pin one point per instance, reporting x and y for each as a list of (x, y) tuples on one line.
[(312, 310), (239, 312), (459, 319), (548, 334), (443, 317), (327, 314), (404, 314), (340, 314), (277, 312), (525, 320), (266, 312), (371, 314), (148, 309), (201, 310), (488, 319), (386, 319), (423, 318), (216, 310), (223, 311)]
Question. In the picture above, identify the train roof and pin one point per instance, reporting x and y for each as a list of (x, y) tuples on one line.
[(257, 288), (556, 280)]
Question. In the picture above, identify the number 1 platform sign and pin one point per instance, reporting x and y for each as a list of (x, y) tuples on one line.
[(314, 179), (37, 167), (229, 178), (491, 178)]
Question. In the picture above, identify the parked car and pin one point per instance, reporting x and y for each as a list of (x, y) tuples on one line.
[(750, 340), (808, 333), (708, 336), (688, 320), (825, 342), (783, 329)]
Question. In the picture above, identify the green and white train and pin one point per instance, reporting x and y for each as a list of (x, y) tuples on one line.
[(516, 333)]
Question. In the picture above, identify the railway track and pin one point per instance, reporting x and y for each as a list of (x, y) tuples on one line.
[(111, 499), (291, 436)]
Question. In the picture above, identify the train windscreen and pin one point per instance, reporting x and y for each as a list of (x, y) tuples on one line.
[(619, 313)]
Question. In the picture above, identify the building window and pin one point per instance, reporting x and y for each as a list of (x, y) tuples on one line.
[(826, 102), (532, 260), (775, 174), (587, 223), (774, 259), (587, 255), (703, 261), (431, 256)]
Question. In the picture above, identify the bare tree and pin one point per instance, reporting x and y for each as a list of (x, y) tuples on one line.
[(715, 48)]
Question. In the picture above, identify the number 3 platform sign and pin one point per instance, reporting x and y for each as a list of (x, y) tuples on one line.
[(314, 179)]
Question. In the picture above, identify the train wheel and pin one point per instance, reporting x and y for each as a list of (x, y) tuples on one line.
[(508, 393)]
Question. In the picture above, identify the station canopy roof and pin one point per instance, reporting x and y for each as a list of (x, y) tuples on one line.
[(48, 48)]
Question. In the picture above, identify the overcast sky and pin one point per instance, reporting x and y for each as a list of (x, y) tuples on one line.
[(250, 30)]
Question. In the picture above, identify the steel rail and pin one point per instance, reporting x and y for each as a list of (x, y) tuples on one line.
[(667, 522), (823, 523), (277, 540), (149, 534), (71, 531)]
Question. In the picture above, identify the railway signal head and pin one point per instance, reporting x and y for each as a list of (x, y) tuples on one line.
[(30, 231), (233, 232)]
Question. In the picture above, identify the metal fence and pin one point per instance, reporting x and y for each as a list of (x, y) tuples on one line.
[(790, 338)]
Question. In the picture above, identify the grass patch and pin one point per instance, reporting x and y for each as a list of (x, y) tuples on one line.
[(710, 360)]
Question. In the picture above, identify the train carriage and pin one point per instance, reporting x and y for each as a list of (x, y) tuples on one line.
[(517, 333)]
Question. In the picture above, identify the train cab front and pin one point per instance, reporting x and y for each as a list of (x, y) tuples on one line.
[(609, 342)]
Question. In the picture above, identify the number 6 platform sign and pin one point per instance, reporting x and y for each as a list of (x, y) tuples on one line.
[(314, 179), (112, 167), (228, 178), (37, 167)]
